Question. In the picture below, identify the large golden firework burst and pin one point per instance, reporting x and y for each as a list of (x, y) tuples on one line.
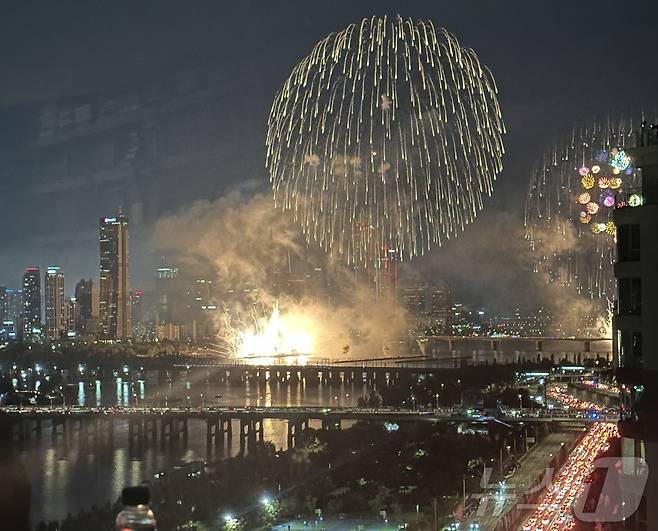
[(387, 135)]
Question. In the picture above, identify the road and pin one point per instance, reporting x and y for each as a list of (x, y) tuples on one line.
[(338, 525), (454, 414), (499, 499)]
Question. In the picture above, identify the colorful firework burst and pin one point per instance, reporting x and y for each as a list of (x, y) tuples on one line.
[(568, 214)]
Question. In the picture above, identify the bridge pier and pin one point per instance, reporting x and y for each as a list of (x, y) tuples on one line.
[(311, 377), (331, 424), (107, 425), (293, 428), (135, 431), (213, 432), (167, 430), (296, 429), (217, 429), (89, 430), (151, 429), (54, 430), (251, 431)]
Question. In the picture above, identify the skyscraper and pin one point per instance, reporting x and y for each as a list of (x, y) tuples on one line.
[(14, 305), (170, 296), (56, 303), (31, 303), (114, 303), (439, 310), (4, 307), (84, 305)]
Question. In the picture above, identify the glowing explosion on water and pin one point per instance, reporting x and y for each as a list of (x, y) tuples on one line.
[(386, 136), (268, 338)]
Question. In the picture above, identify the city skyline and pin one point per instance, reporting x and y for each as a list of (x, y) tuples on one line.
[(69, 240), (341, 265)]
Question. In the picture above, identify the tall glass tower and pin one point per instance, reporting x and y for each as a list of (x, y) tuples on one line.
[(114, 286), (56, 304), (31, 303)]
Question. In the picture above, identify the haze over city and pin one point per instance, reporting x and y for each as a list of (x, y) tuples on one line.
[(266, 265)]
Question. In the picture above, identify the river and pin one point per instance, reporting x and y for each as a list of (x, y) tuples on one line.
[(69, 477)]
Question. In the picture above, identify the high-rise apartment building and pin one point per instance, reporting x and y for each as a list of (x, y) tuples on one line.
[(635, 330), (31, 317), (84, 302), (3, 304), (55, 303), (72, 316), (439, 307), (428, 305), (14, 305), (169, 296), (114, 300)]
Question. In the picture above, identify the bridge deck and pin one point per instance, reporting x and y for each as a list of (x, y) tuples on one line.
[(296, 413)]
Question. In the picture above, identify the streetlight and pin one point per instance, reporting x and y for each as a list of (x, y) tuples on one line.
[(203, 402), (437, 400), (520, 401)]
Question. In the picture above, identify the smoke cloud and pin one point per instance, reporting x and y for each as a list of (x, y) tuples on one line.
[(495, 265), (242, 243)]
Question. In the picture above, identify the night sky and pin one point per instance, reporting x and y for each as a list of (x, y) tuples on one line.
[(554, 62)]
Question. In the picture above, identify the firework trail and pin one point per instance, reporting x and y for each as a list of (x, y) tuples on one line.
[(387, 135), (573, 191)]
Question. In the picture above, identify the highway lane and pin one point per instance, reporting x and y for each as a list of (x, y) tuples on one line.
[(499, 499)]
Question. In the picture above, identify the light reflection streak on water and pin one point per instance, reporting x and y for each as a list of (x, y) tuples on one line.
[(81, 394), (68, 478)]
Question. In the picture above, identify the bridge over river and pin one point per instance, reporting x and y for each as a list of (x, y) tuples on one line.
[(171, 423)]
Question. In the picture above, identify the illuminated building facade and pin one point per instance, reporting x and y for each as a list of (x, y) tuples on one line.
[(31, 318), (428, 306), (114, 286), (7, 330), (169, 295), (635, 320), (3, 304), (56, 304), (14, 299), (86, 307)]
